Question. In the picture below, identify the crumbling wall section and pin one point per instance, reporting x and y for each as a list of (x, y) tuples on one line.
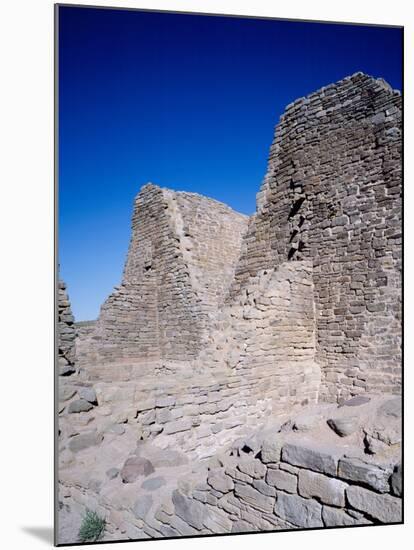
[(180, 263), (332, 194), (66, 333)]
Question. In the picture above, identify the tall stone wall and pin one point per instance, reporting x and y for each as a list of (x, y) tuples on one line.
[(180, 264), (332, 194), (65, 332), (331, 197)]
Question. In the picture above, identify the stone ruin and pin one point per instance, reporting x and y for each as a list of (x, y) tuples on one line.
[(250, 362)]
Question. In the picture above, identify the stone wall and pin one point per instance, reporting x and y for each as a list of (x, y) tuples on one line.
[(65, 333), (180, 264), (326, 466), (332, 193)]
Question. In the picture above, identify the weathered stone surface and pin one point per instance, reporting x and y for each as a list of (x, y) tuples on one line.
[(117, 429), (384, 508), (326, 489), (355, 469), (178, 426), (271, 450), (66, 370), (84, 440), (112, 473), (134, 468), (299, 511), (309, 456), (88, 394), (264, 488), (391, 408), (238, 333), (66, 393), (344, 426), (220, 481), (79, 405), (142, 506), (356, 401), (396, 481), (282, 480), (252, 467), (334, 517), (241, 526), (153, 483), (189, 510), (254, 498)]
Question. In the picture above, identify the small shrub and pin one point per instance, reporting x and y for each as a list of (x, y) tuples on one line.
[(92, 526)]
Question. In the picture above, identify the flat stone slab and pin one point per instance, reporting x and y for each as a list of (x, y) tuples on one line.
[(356, 401), (254, 498), (84, 440), (307, 455), (79, 405), (298, 511), (328, 490), (355, 469), (384, 508), (189, 510)]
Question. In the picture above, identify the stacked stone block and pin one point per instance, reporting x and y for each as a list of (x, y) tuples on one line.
[(65, 333), (332, 194), (180, 264)]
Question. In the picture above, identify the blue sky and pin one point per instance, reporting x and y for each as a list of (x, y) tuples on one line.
[(188, 102)]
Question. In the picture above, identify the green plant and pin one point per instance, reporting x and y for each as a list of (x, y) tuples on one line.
[(92, 526)]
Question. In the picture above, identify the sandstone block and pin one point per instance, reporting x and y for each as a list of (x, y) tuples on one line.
[(84, 440), (326, 489), (271, 450), (254, 498), (384, 508), (282, 480), (252, 467), (79, 405), (220, 481), (357, 470), (311, 457), (335, 517), (344, 426), (189, 510), (88, 394), (178, 426), (299, 511), (142, 506)]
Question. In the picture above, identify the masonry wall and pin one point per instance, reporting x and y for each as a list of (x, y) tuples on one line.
[(180, 263), (65, 333), (332, 193)]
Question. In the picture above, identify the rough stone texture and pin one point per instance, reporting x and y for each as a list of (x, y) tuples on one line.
[(357, 470), (309, 455), (230, 341), (134, 468), (385, 508), (332, 193), (299, 511), (327, 490), (180, 264), (84, 440), (66, 332)]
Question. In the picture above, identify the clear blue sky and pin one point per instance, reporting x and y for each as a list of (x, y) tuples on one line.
[(188, 102)]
